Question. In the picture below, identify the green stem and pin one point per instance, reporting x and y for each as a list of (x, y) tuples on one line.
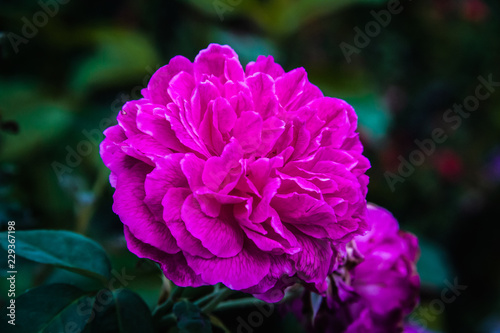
[(215, 292), (239, 303), (168, 304), (219, 297)]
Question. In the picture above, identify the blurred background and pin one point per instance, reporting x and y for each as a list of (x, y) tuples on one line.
[(66, 68)]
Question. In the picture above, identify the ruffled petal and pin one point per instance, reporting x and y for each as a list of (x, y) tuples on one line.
[(159, 83), (174, 266), (244, 270), (133, 212), (220, 235)]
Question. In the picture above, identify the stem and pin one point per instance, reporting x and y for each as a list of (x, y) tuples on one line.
[(205, 298), (239, 303), (215, 292), (247, 302), (219, 297), (167, 306), (85, 212)]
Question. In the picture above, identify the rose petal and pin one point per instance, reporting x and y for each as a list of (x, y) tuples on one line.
[(242, 271), (159, 83), (220, 235), (133, 212)]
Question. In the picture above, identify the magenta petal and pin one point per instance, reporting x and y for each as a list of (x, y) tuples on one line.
[(233, 70), (174, 266), (172, 203), (290, 85), (225, 115), (303, 209), (186, 135), (313, 262), (242, 213), (263, 93), (159, 83), (272, 128), (167, 174), (127, 117), (211, 202), (247, 130), (133, 212), (112, 155), (264, 243), (221, 236), (222, 173), (263, 210), (158, 128), (309, 93), (192, 167), (271, 288), (181, 88), (265, 65), (210, 133), (272, 242), (204, 93), (244, 270), (212, 61), (241, 102), (144, 148)]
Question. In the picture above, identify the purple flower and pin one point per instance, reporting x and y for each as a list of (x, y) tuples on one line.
[(409, 328), (376, 294), (250, 178)]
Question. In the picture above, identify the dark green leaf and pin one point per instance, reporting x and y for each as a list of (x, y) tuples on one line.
[(190, 319), (133, 314), (63, 249), (53, 308), (120, 311)]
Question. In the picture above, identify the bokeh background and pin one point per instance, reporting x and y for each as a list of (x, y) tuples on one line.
[(65, 74)]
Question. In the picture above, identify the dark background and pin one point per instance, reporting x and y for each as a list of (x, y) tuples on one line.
[(64, 75)]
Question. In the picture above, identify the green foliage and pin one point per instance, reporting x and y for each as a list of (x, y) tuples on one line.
[(121, 311), (277, 17), (120, 56), (63, 249), (53, 308), (24, 102)]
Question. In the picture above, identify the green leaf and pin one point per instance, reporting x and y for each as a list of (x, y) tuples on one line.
[(120, 311), (53, 308), (133, 314), (63, 249)]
